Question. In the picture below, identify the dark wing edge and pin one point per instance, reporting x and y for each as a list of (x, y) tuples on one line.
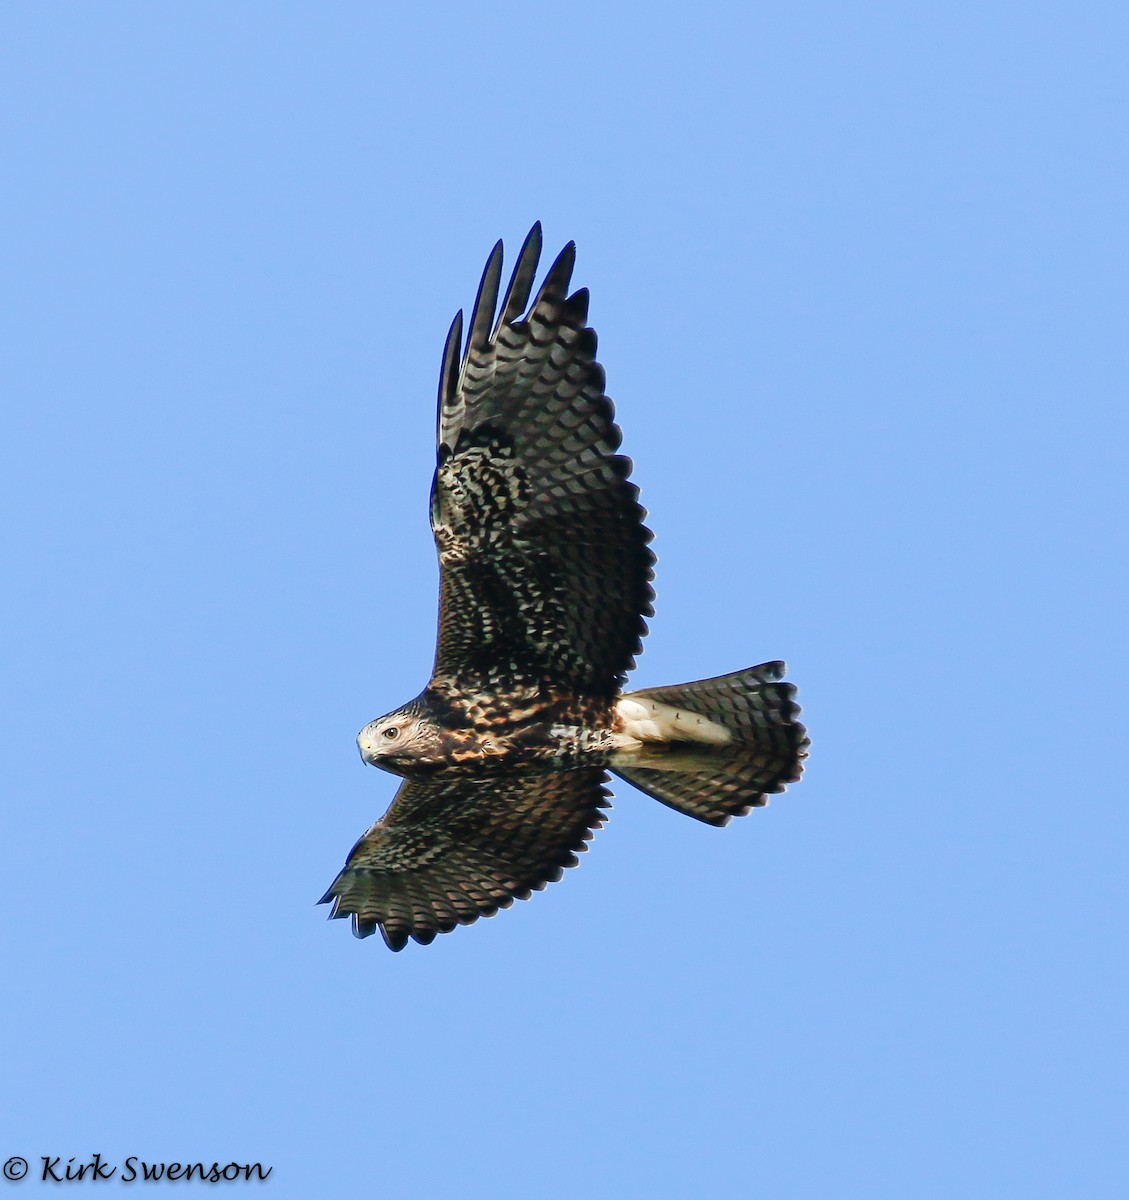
[(481, 335), (451, 850), (524, 399)]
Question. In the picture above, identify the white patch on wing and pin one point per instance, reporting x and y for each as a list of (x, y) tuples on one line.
[(648, 721)]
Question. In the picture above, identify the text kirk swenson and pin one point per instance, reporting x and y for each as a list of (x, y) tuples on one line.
[(137, 1170)]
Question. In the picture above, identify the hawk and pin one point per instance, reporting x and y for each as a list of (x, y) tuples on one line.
[(545, 584)]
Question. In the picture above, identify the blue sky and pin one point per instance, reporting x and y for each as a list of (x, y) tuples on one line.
[(859, 278)]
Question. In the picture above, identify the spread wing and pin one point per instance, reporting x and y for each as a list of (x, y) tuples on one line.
[(451, 850), (544, 558)]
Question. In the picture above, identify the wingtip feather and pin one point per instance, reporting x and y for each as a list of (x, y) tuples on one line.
[(557, 280), (521, 281), (482, 315)]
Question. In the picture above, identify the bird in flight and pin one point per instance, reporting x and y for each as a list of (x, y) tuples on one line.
[(545, 584)]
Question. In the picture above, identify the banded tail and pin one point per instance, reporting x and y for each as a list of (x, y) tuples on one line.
[(715, 748)]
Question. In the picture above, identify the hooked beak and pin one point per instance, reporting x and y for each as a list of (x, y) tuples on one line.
[(367, 747)]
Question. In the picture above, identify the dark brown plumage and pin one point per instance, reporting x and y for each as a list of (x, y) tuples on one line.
[(453, 848), (545, 566), (545, 586)]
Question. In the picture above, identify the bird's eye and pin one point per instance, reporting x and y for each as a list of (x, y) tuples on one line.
[(391, 732)]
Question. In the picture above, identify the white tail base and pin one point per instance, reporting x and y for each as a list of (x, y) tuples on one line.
[(642, 721)]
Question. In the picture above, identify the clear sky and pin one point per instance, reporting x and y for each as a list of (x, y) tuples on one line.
[(859, 275)]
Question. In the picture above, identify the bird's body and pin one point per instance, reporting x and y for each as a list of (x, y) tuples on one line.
[(491, 732), (545, 586)]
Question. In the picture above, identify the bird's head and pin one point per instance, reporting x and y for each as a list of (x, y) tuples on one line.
[(401, 739)]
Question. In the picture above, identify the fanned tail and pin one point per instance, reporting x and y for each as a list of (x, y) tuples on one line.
[(715, 748)]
